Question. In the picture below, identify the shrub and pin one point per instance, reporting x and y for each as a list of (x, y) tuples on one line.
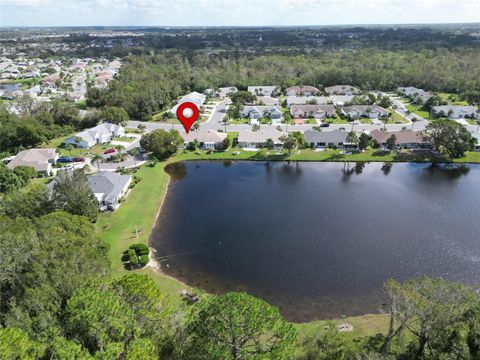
[(143, 260)]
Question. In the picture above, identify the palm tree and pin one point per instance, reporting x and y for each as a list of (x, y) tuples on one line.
[(408, 112), (97, 158), (414, 120)]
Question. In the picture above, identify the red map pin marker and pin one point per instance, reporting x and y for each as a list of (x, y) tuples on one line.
[(187, 121)]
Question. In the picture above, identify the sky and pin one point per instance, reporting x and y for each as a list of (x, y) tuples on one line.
[(234, 12)]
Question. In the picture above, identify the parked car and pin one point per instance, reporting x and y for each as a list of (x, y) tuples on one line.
[(78, 159), (325, 125), (109, 151), (65, 159)]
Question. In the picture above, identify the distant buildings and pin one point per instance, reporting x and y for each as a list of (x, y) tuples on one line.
[(256, 112), (302, 90), (367, 111), (194, 97)]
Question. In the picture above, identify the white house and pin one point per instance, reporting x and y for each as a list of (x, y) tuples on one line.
[(263, 90), (100, 134), (256, 112), (368, 111), (109, 187), (258, 139), (194, 97), (456, 111)]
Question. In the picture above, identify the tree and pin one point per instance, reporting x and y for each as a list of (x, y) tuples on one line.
[(433, 310), (352, 138), (237, 326), (72, 193), (161, 143), (289, 142), (450, 138), (114, 115), (97, 159), (391, 142), (242, 97), (8, 180), (299, 139), (15, 344), (269, 144), (363, 141), (134, 153), (32, 203)]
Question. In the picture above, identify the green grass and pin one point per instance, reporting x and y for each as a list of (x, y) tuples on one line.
[(57, 144), (397, 119), (455, 100), (422, 113), (124, 138)]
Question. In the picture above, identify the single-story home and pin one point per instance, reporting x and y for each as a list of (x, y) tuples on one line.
[(208, 139), (40, 159), (258, 139), (109, 187), (456, 111), (194, 97), (255, 112), (415, 94), (222, 92), (267, 100), (263, 90), (342, 90), (340, 100), (301, 100), (405, 139), (100, 134), (368, 111), (322, 139), (302, 90), (312, 111)]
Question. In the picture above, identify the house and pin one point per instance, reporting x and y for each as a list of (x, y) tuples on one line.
[(258, 139), (414, 94), (301, 100), (267, 100), (456, 111), (341, 100), (255, 112), (342, 90), (405, 139), (263, 90), (322, 139), (302, 90), (50, 81), (194, 97), (367, 111), (40, 159), (312, 111), (208, 139), (109, 187), (223, 92), (100, 134)]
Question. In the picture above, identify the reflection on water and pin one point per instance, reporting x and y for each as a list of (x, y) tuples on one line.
[(303, 238)]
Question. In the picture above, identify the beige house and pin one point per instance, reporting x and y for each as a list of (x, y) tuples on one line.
[(40, 159)]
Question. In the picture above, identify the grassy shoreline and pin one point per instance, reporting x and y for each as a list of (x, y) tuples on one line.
[(143, 206)]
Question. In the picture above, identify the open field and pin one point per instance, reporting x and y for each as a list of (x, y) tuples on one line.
[(422, 113)]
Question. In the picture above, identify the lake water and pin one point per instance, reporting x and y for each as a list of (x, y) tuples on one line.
[(318, 239), (9, 86)]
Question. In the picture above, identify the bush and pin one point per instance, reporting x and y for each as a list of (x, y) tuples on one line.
[(143, 260)]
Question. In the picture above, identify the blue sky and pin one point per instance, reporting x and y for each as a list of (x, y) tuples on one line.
[(234, 12)]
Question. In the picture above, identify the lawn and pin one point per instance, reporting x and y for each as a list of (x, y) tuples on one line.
[(124, 138), (422, 113), (56, 143), (452, 99), (397, 119)]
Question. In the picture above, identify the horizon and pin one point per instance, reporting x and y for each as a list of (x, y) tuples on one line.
[(229, 13)]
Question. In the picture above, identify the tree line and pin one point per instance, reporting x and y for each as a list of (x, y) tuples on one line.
[(148, 84)]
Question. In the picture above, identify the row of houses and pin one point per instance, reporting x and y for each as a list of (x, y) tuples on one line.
[(455, 112), (303, 90)]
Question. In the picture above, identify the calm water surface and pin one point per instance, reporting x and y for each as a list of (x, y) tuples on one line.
[(318, 239), (9, 86)]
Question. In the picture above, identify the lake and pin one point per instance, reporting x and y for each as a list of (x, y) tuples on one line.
[(318, 240), (9, 86)]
